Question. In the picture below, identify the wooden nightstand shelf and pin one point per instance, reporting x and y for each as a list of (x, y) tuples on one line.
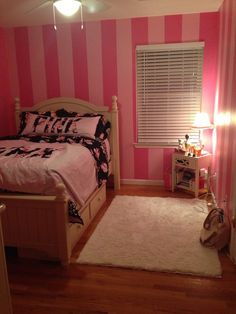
[(186, 172)]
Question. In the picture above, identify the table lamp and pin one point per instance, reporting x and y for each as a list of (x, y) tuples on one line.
[(201, 122)]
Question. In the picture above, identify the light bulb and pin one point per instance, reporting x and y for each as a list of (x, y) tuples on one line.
[(67, 7)]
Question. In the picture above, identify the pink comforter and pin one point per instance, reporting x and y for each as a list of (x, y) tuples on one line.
[(71, 164)]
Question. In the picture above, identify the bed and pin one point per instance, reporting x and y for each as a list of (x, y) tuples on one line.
[(38, 224)]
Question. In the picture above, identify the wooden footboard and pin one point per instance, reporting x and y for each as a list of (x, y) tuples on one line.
[(38, 225)]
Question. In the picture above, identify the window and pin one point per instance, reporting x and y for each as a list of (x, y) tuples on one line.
[(169, 92)]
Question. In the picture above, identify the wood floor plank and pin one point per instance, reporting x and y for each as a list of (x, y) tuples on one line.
[(39, 287)]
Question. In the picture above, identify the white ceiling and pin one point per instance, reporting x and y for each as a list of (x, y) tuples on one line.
[(28, 12)]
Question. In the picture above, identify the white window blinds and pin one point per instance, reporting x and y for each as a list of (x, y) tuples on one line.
[(169, 91)]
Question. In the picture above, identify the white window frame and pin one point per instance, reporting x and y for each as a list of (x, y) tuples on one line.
[(168, 92)]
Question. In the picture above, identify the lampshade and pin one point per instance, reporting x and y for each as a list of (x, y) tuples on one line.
[(67, 7), (202, 121)]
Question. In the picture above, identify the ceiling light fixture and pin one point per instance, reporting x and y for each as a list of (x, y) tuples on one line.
[(67, 7)]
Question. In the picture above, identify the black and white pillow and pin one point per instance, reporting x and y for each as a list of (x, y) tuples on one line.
[(40, 124), (103, 126), (64, 122)]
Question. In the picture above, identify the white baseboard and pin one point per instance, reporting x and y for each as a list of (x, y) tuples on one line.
[(142, 182)]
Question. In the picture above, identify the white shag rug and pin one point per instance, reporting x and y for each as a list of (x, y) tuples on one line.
[(152, 233)]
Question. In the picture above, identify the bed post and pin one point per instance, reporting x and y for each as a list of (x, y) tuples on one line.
[(115, 143), (17, 113), (61, 220)]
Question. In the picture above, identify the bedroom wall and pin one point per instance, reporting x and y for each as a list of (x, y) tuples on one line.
[(6, 105), (225, 145), (99, 62)]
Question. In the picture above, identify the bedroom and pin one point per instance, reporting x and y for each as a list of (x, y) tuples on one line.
[(37, 63)]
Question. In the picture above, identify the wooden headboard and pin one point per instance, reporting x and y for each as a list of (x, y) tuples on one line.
[(81, 106)]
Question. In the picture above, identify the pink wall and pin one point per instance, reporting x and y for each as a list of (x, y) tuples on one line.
[(226, 102), (5, 92), (98, 62)]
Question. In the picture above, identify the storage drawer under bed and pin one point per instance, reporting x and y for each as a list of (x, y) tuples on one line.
[(87, 214), (97, 201)]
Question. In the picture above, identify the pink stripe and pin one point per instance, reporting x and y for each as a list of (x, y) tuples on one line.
[(230, 56), (11, 48), (23, 66), (37, 63), (65, 60), (5, 94), (221, 130), (229, 137), (139, 37), (156, 30), (109, 60), (51, 61), (94, 54), (167, 164), (190, 27), (217, 104), (218, 130), (232, 147), (13, 79), (221, 54), (173, 28), (223, 48), (125, 96), (140, 163), (80, 61), (155, 164), (209, 30), (226, 177)]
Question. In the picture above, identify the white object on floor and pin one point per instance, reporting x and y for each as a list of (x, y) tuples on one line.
[(152, 233)]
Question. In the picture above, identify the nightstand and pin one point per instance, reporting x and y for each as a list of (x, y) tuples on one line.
[(189, 173)]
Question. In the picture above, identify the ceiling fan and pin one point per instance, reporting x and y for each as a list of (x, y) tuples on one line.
[(70, 7)]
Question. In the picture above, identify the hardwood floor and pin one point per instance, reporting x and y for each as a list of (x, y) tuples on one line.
[(42, 287)]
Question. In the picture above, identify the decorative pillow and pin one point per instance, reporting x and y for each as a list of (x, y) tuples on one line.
[(103, 129), (33, 123), (63, 121), (40, 124), (103, 126), (24, 115)]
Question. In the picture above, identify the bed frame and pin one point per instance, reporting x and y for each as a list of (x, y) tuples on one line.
[(38, 225)]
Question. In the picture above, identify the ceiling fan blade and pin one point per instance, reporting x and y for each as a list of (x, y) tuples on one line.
[(39, 6), (94, 6)]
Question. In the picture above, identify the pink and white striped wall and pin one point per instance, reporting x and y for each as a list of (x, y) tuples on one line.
[(5, 91), (225, 146), (99, 62)]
